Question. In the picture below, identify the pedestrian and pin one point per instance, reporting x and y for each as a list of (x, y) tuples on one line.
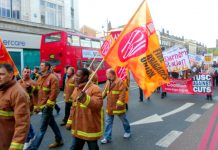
[(115, 91), (65, 76), (48, 88), (35, 75), (68, 90), (57, 108), (211, 72), (29, 86), (86, 117), (141, 95), (14, 111), (216, 74)]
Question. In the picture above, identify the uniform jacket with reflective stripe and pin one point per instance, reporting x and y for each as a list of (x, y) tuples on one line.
[(115, 93), (69, 87), (87, 117), (32, 91), (14, 117), (48, 88)]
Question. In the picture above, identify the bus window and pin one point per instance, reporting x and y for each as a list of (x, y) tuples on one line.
[(96, 44), (52, 38), (102, 42), (85, 42), (73, 40), (95, 65), (86, 64)]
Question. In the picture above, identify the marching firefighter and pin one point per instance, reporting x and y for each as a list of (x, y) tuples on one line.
[(68, 90), (14, 111), (115, 91), (48, 87), (29, 86), (86, 117)]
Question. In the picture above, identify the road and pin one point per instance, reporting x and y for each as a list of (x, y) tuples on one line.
[(171, 117)]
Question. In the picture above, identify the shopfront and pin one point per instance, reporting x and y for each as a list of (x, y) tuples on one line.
[(23, 48)]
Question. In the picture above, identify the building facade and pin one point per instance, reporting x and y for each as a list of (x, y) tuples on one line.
[(193, 47), (61, 13), (22, 22)]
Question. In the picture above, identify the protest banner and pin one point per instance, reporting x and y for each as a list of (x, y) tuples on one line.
[(208, 58), (202, 84), (199, 84), (178, 86), (196, 59), (176, 59)]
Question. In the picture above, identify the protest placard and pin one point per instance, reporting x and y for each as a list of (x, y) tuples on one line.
[(176, 59)]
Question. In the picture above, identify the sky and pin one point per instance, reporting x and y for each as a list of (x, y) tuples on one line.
[(193, 19)]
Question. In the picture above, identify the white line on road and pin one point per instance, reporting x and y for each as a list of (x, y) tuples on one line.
[(158, 118), (169, 139), (207, 106), (134, 88), (60, 102), (183, 107), (215, 98), (193, 118)]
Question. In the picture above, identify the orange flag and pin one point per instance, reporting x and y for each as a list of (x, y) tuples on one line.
[(138, 49), (108, 43), (6, 58)]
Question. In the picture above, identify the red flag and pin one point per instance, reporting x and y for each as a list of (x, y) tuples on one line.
[(5, 57)]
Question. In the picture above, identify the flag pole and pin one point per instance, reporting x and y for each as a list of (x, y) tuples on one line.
[(92, 62), (94, 58), (93, 74)]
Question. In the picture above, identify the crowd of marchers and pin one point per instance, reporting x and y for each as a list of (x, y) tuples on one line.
[(36, 92)]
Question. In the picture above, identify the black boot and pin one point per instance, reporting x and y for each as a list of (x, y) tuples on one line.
[(127, 107)]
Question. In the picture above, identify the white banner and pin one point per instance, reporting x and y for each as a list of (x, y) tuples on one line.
[(197, 59), (91, 54), (176, 59)]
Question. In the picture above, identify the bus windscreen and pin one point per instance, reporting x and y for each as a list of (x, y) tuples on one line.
[(52, 38)]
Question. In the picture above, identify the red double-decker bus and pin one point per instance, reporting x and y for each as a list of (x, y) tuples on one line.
[(74, 49)]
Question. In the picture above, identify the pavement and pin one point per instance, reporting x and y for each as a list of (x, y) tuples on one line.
[(176, 122)]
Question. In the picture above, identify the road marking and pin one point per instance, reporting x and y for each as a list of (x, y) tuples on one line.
[(134, 88), (158, 118), (215, 98), (207, 106), (205, 139), (60, 102), (193, 118), (183, 107), (169, 139)]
